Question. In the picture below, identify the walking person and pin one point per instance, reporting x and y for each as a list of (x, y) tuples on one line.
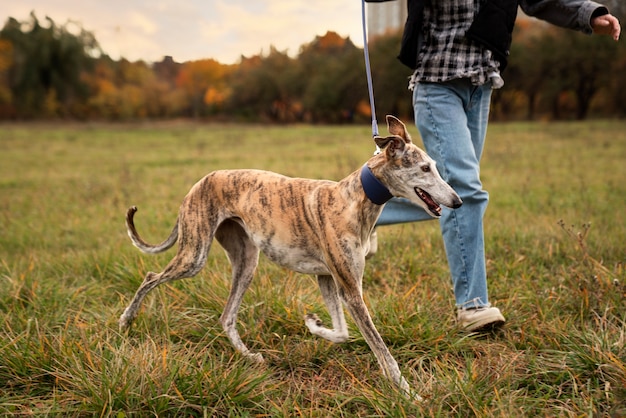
[(458, 50)]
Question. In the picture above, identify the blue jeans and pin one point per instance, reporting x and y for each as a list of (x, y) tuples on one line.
[(452, 119)]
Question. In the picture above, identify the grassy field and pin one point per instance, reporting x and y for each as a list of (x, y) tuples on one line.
[(556, 247)]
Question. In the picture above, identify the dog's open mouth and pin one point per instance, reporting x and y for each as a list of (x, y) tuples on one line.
[(433, 207)]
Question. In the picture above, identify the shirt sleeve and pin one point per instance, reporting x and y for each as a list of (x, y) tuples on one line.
[(570, 14)]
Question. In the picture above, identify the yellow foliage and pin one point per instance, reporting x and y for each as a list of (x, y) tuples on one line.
[(213, 96), (51, 104), (363, 108), (199, 75), (6, 54)]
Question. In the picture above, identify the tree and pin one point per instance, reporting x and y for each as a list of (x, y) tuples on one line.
[(124, 90), (334, 70), (195, 78), (390, 77), (590, 68), (6, 62), (557, 70), (616, 86), (268, 87), (530, 69), (575, 64), (47, 66)]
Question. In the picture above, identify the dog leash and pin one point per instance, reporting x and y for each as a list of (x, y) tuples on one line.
[(375, 191), (368, 72)]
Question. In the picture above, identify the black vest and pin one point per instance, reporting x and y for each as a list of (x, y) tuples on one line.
[(492, 28)]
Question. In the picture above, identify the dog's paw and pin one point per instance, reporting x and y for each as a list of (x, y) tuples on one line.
[(125, 322), (316, 326), (255, 357), (313, 322), (408, 392)]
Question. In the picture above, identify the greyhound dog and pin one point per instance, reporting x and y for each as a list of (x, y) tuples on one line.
[(310, 226)]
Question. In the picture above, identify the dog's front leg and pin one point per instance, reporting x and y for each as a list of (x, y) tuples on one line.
[(339, 333), (357, 308)]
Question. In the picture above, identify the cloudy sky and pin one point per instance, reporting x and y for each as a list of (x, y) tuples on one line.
[(195, 29)]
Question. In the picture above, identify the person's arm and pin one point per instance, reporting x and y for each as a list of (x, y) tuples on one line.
[(582, 15)]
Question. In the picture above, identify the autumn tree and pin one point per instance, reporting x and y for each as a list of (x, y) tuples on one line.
[(50, 70), (589, 69), (526, 73), (45, 76), (390, 77), (616, 85), (125, 90), (335, 75), (6, 62), (267, 87), (204, 84), (558, 71)]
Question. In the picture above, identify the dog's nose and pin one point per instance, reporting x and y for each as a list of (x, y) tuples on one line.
[(456, 203)]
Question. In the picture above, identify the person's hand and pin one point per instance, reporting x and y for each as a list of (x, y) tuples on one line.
[(606, 25)]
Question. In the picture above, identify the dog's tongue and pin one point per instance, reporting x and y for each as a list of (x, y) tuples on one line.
[(432, 205)]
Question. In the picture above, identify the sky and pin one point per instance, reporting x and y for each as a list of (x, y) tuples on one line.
[(197, 29)]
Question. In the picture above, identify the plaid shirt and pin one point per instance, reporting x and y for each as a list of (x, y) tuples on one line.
[(446, 54)]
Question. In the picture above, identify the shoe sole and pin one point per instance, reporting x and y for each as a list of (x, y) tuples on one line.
[(489, 326)]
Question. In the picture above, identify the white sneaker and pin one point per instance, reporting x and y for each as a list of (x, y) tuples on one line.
[(475, 319)]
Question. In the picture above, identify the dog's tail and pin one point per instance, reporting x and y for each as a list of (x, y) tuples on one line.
[(143, 245)]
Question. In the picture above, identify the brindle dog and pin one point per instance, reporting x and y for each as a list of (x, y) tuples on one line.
[(310, 226)]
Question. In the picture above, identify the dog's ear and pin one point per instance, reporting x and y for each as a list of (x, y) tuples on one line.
[(396, 127), (392, 145)]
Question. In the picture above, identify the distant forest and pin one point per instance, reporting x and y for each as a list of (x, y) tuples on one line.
[(51, 71)]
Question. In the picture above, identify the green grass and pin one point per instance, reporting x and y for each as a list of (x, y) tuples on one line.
[(556, 234)]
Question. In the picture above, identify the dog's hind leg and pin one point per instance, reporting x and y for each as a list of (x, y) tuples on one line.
[(244, 257), (178, 268), (194, 245), (339, 333)]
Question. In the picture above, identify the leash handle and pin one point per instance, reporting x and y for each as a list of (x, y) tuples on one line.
[(368, 71)]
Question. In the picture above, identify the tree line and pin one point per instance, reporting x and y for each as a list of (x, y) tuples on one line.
[(52, 71)]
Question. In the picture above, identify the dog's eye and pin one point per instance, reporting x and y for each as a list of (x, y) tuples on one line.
[(426, 168)]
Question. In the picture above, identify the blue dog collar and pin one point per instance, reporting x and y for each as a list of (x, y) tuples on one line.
[(374, 189)]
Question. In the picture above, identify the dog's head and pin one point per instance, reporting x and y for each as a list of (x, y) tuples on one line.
[(410, 173)]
